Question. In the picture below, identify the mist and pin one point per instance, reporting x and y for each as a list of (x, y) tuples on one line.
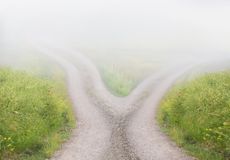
[(114, 79), (155, 27)]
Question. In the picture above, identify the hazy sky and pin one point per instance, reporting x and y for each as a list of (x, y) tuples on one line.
[(157, 25)]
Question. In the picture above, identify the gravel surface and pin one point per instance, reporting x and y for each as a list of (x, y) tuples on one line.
[(114, 128)]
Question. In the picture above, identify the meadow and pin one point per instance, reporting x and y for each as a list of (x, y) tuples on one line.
[(196, 115), (118, 81), (36, 115), (123, 70)]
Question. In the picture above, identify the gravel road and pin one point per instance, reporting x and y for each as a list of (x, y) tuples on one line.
[(115, 128)]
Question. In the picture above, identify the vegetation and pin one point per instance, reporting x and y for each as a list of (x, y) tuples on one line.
[(35, 116), (122, 70), (118, 81), (197, 116)]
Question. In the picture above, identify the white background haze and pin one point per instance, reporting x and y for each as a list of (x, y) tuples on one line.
[(156, 26)]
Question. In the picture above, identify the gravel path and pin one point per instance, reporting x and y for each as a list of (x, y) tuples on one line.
[(115, 128)]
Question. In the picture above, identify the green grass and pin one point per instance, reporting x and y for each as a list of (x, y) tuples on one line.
[(122, 78), (196, 115), (118, 81), (35, 117), (122, 70)]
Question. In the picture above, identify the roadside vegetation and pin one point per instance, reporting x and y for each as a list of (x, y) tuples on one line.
[(196, 115), (122, 70), (121, 80), (118, 81), (35, 117)]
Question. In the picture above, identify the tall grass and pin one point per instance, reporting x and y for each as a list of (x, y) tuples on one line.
[(197, 116), (123, 70), (119, 82), (35, 116)]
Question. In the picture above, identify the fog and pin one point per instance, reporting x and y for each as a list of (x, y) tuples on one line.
[(157, 27)]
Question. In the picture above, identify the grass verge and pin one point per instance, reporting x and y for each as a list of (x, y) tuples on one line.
[(35, 116), (119, 82), (196, 115)]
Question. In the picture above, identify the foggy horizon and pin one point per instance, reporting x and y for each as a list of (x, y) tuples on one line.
[(159, 27)]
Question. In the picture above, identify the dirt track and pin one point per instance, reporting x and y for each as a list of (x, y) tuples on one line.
[(114, 128)]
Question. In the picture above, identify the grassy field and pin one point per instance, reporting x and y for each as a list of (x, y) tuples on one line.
[(196, 115), (122, 70), (119, 82), (35, 117)]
